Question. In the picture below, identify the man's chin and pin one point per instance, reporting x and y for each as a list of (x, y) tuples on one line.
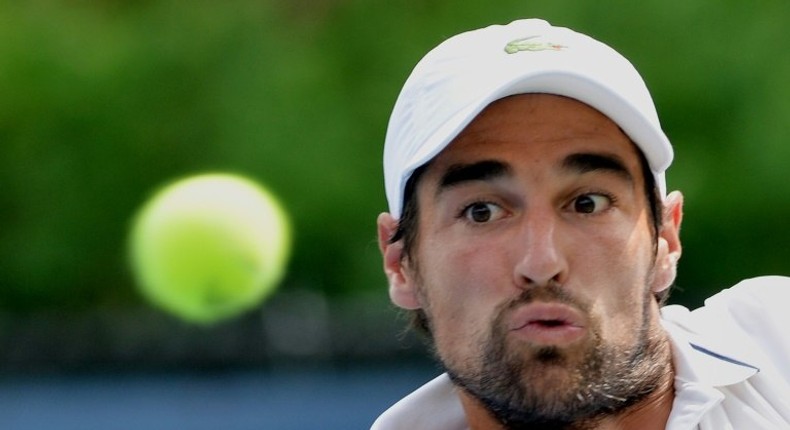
[(550, 373), (537, 359), (546, 396)]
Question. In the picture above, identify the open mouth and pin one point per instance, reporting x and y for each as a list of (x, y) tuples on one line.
[(549, 323)]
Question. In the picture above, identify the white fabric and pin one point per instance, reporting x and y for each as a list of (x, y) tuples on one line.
[(731, 360), (456, 80)]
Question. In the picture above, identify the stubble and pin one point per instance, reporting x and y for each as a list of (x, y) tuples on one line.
[(541, 387)]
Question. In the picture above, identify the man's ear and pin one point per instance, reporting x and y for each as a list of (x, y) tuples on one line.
[(669, 248), (402, 288)]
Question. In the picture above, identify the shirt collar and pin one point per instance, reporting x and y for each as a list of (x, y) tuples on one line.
[(434, 406), (707, 357)]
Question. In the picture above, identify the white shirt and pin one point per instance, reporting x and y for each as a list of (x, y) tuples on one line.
[(731, 359)]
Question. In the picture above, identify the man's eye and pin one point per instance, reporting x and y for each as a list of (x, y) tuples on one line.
[(482, 212), (591, 203)]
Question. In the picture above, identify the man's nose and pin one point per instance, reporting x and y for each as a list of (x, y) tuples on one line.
[(541, 259)]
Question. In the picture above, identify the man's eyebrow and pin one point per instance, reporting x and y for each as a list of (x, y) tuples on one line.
[(590, 162), (479, 171)]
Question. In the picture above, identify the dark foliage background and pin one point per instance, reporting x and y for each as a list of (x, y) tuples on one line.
[(102, 102)]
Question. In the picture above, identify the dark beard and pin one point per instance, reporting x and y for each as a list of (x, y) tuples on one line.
[(604, 380)]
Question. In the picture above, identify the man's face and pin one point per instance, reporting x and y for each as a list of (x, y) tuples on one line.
[(536, 261)]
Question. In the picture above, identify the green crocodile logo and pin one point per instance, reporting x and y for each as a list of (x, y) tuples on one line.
[(528, 44)]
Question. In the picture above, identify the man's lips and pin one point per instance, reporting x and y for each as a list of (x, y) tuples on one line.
[(547, 323)]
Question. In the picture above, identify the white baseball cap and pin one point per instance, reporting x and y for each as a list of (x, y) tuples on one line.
[(455, 81)]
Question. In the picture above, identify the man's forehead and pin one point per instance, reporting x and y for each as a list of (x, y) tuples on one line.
[(556, 125)]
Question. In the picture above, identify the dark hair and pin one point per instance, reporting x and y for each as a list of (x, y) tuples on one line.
[(408, 228)]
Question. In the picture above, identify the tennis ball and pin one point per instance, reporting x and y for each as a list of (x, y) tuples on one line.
[(209, 247)]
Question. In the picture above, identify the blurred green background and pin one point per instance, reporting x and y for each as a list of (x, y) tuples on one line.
[(102, 102)]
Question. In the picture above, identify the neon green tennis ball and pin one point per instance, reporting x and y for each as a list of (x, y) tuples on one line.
[(209, 247)]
